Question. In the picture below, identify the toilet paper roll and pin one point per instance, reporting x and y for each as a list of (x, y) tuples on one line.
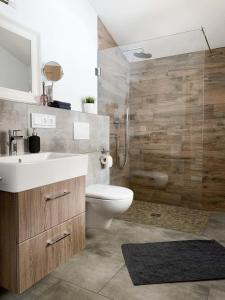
[(109, 161), (106, 161)]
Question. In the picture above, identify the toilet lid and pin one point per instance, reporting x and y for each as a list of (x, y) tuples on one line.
[(108, 192)]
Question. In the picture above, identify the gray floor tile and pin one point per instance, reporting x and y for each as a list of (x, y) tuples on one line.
[(100, 267), (95, 266), (214, 284), (216, 227), (121, 288), (66, 291), (215, 294), (127, 232), (34, 292), (89, 270)]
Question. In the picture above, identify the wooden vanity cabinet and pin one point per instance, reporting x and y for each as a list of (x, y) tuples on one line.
[(40, 229)]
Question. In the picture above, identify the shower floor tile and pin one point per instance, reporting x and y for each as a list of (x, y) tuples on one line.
[(167, 216)]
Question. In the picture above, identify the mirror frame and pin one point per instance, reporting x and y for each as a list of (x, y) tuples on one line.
[(16, 95)]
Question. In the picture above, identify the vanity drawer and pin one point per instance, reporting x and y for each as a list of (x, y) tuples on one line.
[(42, 254), (43, 208), (63, 201)]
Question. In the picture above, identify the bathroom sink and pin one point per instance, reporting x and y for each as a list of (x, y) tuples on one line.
[(24, 172)]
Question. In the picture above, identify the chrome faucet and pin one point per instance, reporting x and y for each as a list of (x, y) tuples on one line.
[(13, 138)]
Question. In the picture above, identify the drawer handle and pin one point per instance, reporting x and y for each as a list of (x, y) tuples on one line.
[(1, 178), (58, 239), (49, 198)]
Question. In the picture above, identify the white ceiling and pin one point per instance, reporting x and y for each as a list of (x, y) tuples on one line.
[(130, 21)]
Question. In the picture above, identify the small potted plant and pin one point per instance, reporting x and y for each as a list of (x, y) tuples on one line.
[(89, 104)]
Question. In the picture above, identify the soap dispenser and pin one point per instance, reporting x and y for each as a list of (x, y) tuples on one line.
[(34, 142)]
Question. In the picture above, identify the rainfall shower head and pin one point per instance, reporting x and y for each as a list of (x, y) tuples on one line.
[(138, 53), (142, 55)]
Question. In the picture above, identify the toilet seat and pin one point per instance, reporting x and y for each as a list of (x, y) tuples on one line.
[(108, 192)]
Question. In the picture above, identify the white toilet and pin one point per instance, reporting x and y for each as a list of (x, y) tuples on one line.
[(104, 202)]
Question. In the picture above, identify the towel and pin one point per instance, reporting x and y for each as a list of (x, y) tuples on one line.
[(59, 104)]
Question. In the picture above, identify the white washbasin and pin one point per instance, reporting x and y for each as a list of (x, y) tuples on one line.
[(24, 172)]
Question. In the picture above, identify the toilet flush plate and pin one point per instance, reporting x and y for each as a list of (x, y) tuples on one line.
[(81, 131)]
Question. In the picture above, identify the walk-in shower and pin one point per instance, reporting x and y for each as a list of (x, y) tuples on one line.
[(154, 92)]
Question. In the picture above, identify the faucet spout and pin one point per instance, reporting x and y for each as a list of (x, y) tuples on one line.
[(13, 138)]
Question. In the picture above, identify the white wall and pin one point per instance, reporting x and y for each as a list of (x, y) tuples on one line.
[(68, 32)]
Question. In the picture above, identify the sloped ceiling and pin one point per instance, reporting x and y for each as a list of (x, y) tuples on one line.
[(130, 21)]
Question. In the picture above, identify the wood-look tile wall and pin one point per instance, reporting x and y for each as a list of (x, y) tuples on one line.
[(178, 129), (105, 40), (113, 92), (177, 124), (214, 132), (166, 142)]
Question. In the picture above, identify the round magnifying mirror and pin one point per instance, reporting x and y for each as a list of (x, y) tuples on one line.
[(53, 71)]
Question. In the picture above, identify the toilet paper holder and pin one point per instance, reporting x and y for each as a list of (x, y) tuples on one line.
[(104, 159)]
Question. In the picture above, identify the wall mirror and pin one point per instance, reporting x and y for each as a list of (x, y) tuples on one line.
[(19, 61), (53, 71)]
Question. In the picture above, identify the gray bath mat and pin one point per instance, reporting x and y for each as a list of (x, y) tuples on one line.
[(179, 261)]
